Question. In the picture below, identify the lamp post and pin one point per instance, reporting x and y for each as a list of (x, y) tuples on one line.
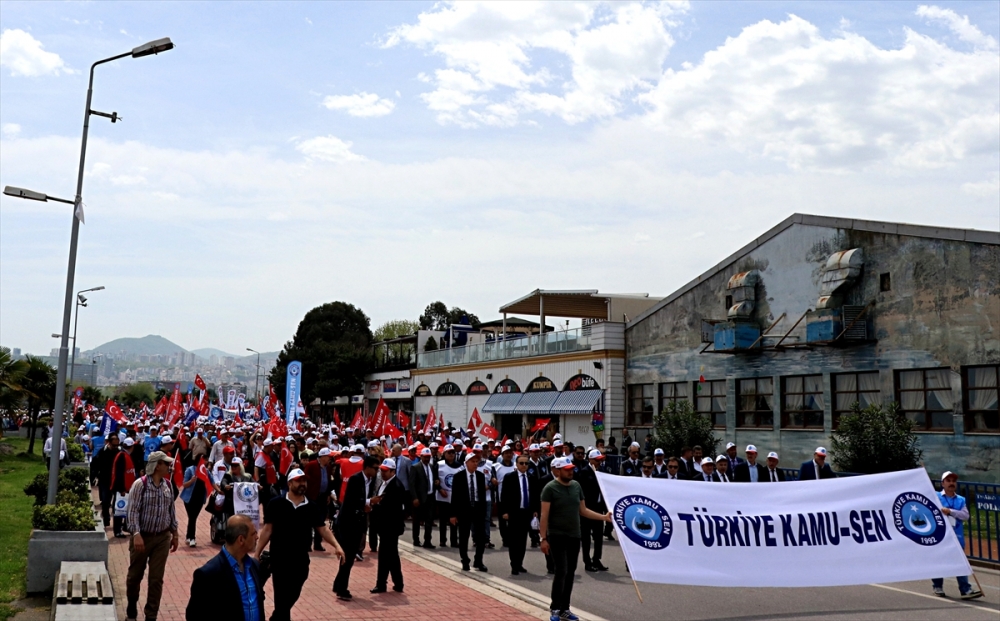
[(80, 301), (153, 47), (256, 385)]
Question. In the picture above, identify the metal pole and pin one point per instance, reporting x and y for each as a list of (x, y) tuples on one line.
[(76, 319), (257, 381)]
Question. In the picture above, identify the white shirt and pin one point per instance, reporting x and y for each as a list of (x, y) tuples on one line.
[(385, 482), (219, 470), (816, 468)]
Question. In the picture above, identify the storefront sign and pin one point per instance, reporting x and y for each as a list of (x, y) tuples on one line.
[(422, 390), (389, 386), (373, 387), (988, 502), (448, 389), (404, 385), (581, 382), (507, 386), (541, 384), (478, 388)]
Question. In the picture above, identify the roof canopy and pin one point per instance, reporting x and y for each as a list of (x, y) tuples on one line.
[(578, 304)]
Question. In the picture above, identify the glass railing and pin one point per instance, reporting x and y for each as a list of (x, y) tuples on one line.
[(565, 341)]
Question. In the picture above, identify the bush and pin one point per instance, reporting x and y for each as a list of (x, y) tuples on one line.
[(75, 517), (75, 452), (678, 425), (72, 480), (875, 439)]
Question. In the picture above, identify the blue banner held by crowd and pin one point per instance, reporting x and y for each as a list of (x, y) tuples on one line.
[(293, 388)]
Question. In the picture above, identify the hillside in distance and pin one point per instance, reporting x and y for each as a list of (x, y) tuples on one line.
[(150, 345)]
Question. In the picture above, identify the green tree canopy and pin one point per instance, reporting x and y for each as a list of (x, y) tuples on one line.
[(11, 375), (678, 425), (333, 343), (132, 395), (39, 386), (397, 353), (437, 317), (875, 439)]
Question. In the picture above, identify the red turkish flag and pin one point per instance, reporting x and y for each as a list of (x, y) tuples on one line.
[(201, 471), (285, 459), (540, 423), (358, 419), (178, 470), (431, 420), (336, 419), (490, 432), (404, 420), (114, 411), (475, 421), (392, 431), (174, 410), (380, 418), (161, 407), (200, 383)]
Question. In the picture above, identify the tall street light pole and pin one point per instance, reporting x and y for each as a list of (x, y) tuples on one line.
[(257, 380), (80, 301), (153, 47)]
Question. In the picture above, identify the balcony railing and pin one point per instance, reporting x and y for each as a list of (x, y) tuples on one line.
[(577, 339)]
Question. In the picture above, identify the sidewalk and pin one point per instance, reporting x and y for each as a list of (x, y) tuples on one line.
[(429, 595)]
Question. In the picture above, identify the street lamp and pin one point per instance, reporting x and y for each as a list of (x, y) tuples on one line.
[(256, 384), (80, 301), (153, 47)]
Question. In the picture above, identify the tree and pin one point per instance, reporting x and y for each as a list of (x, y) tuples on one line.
[(437, 317), (39, 385), (875, 439), (333, 343), (398, 353), (431, 344), (678, 425), (11, 375), (132, 395)]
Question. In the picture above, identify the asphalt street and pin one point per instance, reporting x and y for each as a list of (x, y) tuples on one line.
[(611, 595)]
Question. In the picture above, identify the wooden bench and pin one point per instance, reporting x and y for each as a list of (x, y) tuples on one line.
[(83, 592)]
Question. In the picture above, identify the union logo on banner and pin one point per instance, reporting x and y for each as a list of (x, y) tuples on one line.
[(643, 521)]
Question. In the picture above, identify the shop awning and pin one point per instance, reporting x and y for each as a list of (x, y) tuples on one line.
[(501, 403), (576, 402), (536, 402)]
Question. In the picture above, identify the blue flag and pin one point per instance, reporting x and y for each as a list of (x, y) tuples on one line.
[(108, 425)]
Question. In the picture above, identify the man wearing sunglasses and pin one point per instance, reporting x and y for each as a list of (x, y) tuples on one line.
[(517, 507)]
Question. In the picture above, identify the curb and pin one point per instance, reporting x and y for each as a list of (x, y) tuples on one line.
[(515, 596)]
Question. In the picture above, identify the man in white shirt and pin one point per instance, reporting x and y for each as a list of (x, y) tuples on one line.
[(659, 465), (707, 471), (503, 467), (216, 453), (722, 469), (773, 474), (673, 469)]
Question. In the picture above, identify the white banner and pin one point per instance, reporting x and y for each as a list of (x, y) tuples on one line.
[(246, 501), (852, 530)]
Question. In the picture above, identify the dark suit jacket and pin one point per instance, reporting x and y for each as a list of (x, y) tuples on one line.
[(742, 474), (461, 504), (215, 594), (686, 470), (389, 513), (629, 469), (314, 473), (510, 498), (778, 471), (420, 487), (352, 508), (587, 479), (807, 472), (701, 477)]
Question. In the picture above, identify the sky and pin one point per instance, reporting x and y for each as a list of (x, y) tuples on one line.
[(389, 155)]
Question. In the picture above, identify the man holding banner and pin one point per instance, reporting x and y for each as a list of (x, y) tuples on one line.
[(954, 508)]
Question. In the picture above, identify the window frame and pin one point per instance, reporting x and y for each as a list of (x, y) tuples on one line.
[(665, 399), (757, 412), (835, 412), (968, 414), (641, 421), (786, 413), (711, 414), (928, 413)]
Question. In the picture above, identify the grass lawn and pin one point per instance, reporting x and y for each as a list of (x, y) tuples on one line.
[(15, 520)]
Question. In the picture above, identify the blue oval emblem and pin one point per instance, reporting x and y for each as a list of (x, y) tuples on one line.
[(643, 521), (918, 518)]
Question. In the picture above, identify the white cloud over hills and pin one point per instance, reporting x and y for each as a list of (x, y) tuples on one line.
[(23, 55)]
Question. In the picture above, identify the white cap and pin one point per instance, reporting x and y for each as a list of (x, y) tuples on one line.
[(425, 451), (268, 441), (751, 448), (289, 438), (948, 473), (479, 447), (634, 445), (658, 451), (237, 461), (561, 462), (772, 454), (707, 460), (558, 436), (595, 454), (434, 445), (295, 474), (557, 443), (324, 452), (730, 445), (534, 447), (388, 464), (507, 447), (544, 444), (820, 451), (358, 448), (129, 441), (721, 458), (167, 439), (448, 447), (372, 443)]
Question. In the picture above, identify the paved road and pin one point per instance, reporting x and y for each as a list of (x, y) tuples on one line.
[(611, 595)]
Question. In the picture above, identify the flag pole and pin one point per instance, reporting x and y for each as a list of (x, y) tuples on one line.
[(628, 565), (636, 585)]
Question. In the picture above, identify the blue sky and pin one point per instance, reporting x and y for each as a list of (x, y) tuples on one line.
[(392, 154)]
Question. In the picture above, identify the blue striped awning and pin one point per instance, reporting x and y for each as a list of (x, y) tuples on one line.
[(501, 403), (536, 402), (576, 402)]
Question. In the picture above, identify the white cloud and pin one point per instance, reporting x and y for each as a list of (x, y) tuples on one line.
[(961, 26), (784, 91), (329, 149), (361, 104), (489, 49), (983, 189), (11, 130), (23, 55)]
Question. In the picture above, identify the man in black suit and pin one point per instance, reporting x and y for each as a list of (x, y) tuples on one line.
[(517, 508), (773, 474), (355, 506), (387, 518), (468, 504), (423, 474), (228, 587), (816, 468), (686, 463), (592, 531), (630, 467), (750, 471), (708, 472)]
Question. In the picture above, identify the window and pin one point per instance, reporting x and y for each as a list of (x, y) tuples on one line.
[(729, 302), (640, 405), (755, 405), (711, 401), (802, 402), (924, 397), (979, 396), (851, 388), (672, 392), (884, 282)]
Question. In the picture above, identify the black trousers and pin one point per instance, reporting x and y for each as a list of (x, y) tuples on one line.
[(193, 509), (504, 527), (423, 516), (107, 499), (444, 517), (564, 552), (592, 530), (288, 576), (471, 524), (517, 537), (388, 562), (372, 535), (351, 542), (322, 501)]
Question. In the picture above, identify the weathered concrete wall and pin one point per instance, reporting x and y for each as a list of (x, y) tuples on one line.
[(943, 310)]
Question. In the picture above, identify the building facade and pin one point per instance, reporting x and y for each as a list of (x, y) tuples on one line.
[(780, 339)]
